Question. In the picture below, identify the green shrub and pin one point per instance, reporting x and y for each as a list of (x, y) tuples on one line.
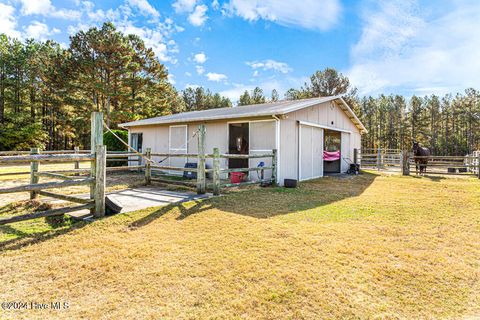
[(113, 144)]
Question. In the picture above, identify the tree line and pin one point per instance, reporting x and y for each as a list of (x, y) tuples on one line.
[(47, 93)]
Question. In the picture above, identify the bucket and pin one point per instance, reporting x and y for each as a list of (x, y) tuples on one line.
[(236, 177), (290, 183)]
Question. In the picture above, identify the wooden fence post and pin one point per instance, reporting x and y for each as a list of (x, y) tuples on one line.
[(33, 171), (201, 160), (379, 158), (148, 168), (216, 171), (96, 139), (402, 163), (100, 177), (355, 155), (478, 165), (405, 160), (77, 163), (274, 166)]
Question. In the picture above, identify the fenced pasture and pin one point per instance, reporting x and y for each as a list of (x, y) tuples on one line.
[(404, 162)]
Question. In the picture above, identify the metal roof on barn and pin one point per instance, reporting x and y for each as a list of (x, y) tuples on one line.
[(249, 111)]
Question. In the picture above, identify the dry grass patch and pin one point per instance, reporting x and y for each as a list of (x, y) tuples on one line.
[(357, 247)]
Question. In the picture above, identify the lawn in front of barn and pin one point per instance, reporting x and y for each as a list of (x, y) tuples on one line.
[(362, 246)]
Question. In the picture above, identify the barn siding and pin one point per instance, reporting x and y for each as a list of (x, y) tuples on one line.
[(322, 114), (156, 136)]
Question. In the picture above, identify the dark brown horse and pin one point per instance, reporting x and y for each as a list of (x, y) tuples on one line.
[(420, 155)]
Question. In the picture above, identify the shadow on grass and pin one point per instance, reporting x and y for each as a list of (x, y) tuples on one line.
[(269, 202), (197, 207), (25, 239), (33, 231), (253, 202), (435, 178)]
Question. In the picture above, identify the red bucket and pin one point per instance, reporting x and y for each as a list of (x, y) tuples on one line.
[(237, 177)]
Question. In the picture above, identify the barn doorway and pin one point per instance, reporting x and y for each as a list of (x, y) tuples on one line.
[(332, 143), (238, 143)]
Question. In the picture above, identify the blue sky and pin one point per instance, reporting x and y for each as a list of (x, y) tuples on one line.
[(406, 47)]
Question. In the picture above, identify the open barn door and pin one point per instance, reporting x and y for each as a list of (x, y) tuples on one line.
[(346, 152), (310, 152)]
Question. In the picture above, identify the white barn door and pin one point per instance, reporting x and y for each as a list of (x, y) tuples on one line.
[(177, 144), (310, 152), (345, 152)]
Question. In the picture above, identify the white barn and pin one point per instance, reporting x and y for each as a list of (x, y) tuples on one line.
[(300, 130)]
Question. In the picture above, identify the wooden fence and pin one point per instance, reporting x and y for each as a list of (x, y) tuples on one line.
[(96, 174), (403, 161), (380, 158), (95, 179), (202, 184)]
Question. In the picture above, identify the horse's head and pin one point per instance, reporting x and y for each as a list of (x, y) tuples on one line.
[(415, 146)]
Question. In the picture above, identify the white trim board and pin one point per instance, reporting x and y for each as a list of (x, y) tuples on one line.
[(311, 124)]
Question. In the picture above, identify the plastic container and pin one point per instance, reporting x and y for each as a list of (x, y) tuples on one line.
[(237, 177)]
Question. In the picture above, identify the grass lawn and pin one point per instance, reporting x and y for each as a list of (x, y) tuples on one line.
[(371, 246)]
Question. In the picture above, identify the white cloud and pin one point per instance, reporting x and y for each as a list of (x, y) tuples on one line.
[(66, 14), (401, 48), (188, 74), (308, 14), (8, 21), (200, 69), (198, 16), (184, 6), (215, 5), (200, 58), (145, 7), (270, 64), (217, 77), (39, 31), (45, 8)]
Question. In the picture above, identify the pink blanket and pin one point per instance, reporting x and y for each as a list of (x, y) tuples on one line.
[(331, 155)]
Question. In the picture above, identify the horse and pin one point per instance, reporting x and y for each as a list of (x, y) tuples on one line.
[(422, 162)]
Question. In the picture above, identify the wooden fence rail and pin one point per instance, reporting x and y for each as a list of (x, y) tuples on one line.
[(46, 158), (96, 179), (201, 169), (403, 161)]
